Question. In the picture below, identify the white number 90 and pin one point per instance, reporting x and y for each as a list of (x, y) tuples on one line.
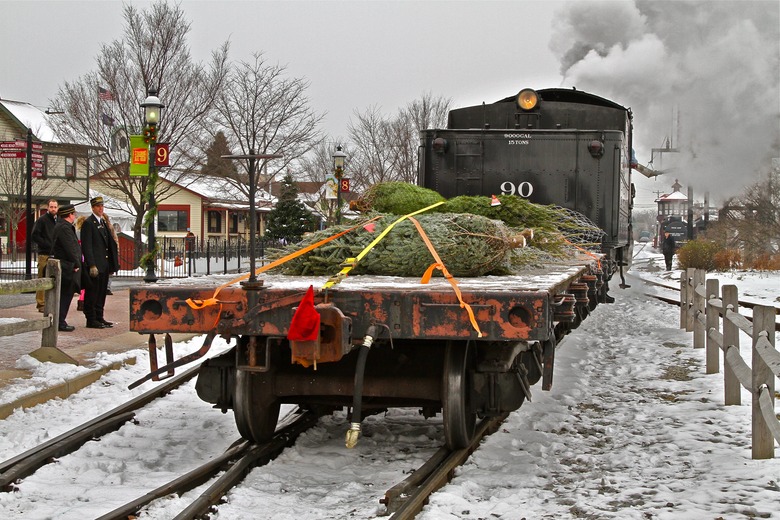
[(524, 189)]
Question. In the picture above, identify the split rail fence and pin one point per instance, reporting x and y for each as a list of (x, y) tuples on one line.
[(701, 310), (48, 323)]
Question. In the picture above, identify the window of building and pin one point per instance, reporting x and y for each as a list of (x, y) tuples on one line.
[(215, 222), (233, 227), (70, 167), (172, 220)]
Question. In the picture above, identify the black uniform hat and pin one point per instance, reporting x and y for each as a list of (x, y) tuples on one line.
[(66, 210), (97, 201)]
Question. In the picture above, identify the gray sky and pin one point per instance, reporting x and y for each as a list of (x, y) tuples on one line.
[(715, 64)]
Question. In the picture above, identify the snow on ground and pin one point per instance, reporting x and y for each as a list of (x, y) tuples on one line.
[(632, 428)]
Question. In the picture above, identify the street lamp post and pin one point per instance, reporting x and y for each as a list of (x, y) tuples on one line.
[(251, 283), (338, 170), (152, 109)]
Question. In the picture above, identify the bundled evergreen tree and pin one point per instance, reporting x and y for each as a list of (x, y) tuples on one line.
[(289, 219)]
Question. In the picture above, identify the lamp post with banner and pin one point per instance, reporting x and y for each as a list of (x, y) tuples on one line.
[(152, 109), (338, 170)]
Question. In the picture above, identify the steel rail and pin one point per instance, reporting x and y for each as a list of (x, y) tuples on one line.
[(406, 499), (26, 463)]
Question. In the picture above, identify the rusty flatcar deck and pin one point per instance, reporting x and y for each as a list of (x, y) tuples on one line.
[(515, 307)]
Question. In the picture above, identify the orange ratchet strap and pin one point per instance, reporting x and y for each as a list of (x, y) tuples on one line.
[(200, 304), (440, 266)]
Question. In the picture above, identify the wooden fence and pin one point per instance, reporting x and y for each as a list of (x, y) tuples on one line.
[(48, 323), (701, 310)]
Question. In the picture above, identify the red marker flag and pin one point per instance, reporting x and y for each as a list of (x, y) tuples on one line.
[(305, 324), (494, 201)]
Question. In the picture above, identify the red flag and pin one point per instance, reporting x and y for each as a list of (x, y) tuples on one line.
[(105, 94), (305, 324)]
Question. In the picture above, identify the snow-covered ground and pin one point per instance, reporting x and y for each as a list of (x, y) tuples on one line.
[(632, 428)]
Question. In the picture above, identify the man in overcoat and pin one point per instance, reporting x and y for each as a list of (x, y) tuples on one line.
[(66, 249), (101, 259), (668, 247), (43, 237)]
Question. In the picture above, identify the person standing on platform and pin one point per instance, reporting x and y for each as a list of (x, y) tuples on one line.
[(668, 247), (66, 249), (101, 259), (43, 237)]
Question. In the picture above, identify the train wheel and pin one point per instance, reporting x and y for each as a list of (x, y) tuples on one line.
[(256, 414), (459, 419)]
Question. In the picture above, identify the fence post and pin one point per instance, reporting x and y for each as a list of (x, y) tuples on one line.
[(225, 257), (208, 257), (697, 314), (763, 325), (691, 296), (731, 387), (51, 304), (683, 298), (48, 350), (713, 322)]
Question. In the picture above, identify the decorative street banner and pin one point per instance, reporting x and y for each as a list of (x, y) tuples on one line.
[(162, 154), (139, 156), (331, 186)]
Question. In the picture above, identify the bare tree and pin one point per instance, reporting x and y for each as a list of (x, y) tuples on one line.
[(386, 147), (152, 54), (373, 159), (262, 110)]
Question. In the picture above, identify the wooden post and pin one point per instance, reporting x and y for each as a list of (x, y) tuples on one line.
[(48, 350), (690, 295), (731, 387), (763, 325), (51, 306), (713, 322), (683, 298), (697, 312)]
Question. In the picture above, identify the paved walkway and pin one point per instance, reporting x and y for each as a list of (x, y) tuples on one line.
[(81, 344), (117, 310)]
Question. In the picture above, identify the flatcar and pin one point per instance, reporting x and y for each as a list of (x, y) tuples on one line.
[(387, 342)]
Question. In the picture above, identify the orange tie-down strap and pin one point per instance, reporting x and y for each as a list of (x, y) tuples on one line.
[(200, 304), (583, 250), (441, 267)]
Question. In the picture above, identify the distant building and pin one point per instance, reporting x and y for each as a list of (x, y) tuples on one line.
[(61, 171)]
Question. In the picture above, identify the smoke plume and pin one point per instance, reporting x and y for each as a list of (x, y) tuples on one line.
[(700, 76)]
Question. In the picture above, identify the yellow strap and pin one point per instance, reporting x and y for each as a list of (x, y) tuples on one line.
[(350, 263), (200, 304), (440, 266)]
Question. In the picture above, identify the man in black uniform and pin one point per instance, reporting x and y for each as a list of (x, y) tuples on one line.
[(101, 258), (43, 237), (66, 249)]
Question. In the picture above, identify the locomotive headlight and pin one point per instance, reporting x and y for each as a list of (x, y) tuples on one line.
[(596, 148), (439, 145), (527, 99)]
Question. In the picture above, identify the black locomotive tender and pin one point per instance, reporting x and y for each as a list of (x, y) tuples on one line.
[(392, 342)]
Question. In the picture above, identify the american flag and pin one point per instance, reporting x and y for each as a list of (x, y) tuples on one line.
[(105, 94)]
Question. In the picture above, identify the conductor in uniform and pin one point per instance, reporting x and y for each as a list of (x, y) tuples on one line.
[(101, 258), (66, 249)]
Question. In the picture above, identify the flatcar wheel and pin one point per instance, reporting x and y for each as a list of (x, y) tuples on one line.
[(459, 420), (256, 414)]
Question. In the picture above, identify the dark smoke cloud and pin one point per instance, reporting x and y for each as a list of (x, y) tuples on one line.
[(714, 66)]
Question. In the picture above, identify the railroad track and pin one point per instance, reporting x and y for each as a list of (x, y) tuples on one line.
[(236, 462), (27, 463), (676, 300), (406, 499)]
